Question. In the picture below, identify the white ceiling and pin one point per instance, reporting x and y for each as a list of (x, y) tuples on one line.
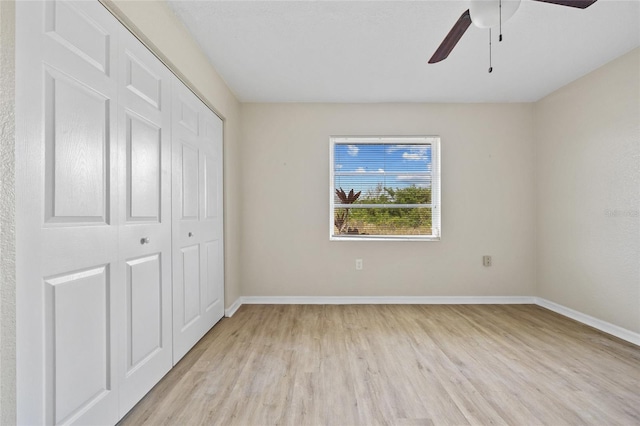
[(377, 51)]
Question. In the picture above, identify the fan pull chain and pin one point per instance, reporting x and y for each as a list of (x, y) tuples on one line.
[(490, 67), (500, 38)]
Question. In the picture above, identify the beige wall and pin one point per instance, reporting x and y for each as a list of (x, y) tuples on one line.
[(7, 216), (587, 138), (156, 25), (487, 203)]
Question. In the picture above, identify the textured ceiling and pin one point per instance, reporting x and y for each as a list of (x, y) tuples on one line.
[(377, 51)]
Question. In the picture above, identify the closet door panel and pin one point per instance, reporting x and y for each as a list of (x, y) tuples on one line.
[(144, 309), (214, 275), (144, 166), (77, 30), (143, 81), (187, 276), (212, 217), (211, 186), (77, 147), (198, 274), (77, 312), (66, 175), (190, 268), (190, 188), (144, 243)]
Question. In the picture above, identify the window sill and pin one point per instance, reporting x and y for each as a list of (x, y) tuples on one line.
[(383, 238)]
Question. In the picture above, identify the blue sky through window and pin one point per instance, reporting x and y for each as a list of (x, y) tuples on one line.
[(362, 167)]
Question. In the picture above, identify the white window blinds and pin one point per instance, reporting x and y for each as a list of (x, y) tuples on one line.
[(385, 188)]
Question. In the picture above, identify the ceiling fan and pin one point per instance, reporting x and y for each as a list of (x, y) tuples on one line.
[(489, 14)]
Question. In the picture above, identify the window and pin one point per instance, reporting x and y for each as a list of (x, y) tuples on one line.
[(385, 188)]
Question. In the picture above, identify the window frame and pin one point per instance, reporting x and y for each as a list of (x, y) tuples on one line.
[(436, 184)]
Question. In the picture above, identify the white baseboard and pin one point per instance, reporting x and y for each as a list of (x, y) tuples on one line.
[(604, 326), (596, 323), (233, 308), (386, 300)]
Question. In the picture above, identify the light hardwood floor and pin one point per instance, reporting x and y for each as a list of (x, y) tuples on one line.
[(399, 365)]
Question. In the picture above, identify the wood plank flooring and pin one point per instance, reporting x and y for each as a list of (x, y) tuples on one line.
[(399, 365)]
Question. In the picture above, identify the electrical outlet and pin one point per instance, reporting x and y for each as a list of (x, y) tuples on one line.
[(486, 260), (358, 264)]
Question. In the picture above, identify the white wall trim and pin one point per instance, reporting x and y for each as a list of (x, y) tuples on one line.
[(596, 323), (387, 300), (233, 308)]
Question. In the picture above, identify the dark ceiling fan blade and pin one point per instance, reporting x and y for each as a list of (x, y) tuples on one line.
[(452, 38), (580, 4)]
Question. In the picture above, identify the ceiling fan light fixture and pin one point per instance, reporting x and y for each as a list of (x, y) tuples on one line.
[(486, 13), (490, 14)]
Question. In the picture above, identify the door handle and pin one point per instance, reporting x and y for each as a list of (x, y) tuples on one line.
[(144, 240), (190, 234)]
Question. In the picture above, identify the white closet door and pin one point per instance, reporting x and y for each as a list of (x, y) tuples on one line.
[(144, 258), (67, 213), (99, 321), (198, 275), (212, 217)]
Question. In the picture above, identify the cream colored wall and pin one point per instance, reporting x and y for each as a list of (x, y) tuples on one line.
[(487, 203), (7, 216), (156, 25), (587, 138)]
